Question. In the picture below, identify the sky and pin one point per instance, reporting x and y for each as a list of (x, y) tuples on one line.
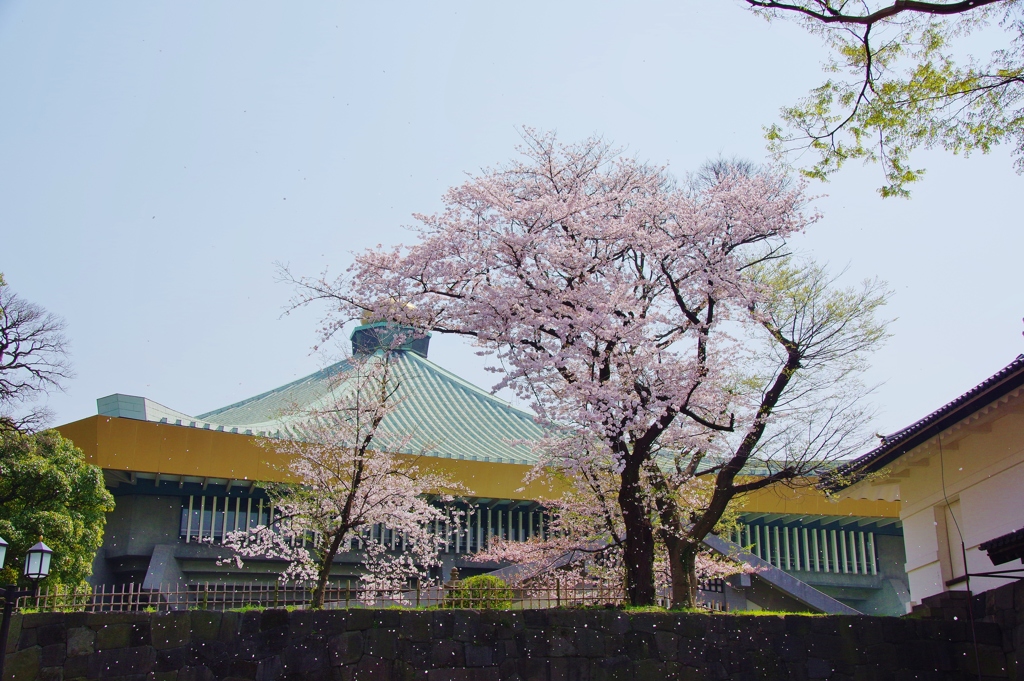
[(157, 159)]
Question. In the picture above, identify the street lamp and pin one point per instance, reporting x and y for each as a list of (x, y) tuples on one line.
[(37, 562), (37, 566)]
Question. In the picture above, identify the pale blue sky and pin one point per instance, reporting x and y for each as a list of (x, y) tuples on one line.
[(156, 158)]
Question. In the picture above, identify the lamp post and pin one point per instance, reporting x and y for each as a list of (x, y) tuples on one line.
[(37, 566)]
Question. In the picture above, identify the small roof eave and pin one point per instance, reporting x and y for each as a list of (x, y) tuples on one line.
[(896, 445)]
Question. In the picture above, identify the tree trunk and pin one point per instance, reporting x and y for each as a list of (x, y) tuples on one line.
[(682, 561), (325, 571), (638, 553)]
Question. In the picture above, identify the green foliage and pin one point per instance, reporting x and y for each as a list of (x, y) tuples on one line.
[(899, 83), (484, 592), (47, 489)]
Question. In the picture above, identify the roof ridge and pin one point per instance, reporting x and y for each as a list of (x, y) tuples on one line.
[(326, 372), (905, 437), (477, 390)]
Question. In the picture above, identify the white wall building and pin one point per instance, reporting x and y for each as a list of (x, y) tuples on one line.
[(958, 474)]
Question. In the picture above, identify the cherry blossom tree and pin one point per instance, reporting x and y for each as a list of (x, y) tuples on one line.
[(637, 311), (350, 484), (586, 534)]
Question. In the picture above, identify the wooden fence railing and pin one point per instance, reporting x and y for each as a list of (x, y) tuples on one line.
[(221, 596)]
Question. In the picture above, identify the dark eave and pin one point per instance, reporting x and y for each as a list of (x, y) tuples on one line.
[(1006, 380), (1005, 548)]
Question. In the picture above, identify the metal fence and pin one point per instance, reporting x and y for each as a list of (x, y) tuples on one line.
[(223, 596)]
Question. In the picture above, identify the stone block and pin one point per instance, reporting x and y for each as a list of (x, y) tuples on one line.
[(273, 640), (569, 669), (692, 652), (14, 633), (172, 659), (53, 655), (925, 655), (141, 634), (590, 642), (451, 675), (690, 625), (51, 674), (442, 624), (381, 643), (360, 619), (561, 646), (51, 634), (208, 652), (990, 660), (881, 654), (101, 619), (113, 636), (121, 662), (800, 625), (532, 643), (793, 648), (206, 625), (641, 645), (244, 669), (447, 654), (81, 641), (250, 623), (76, 667), (414, 653), (823, 646), (897, 630), (23, 665), (374, 668), (346, 648), (466, 626), (691, 674), (27, 638), (505, 650), (269, 669), (76, 619), (618, 668), (200, 673), (229, 624), (645, 621), (650, 669), (306, 658), (42, 619), (668, 645), (414, 625), (532, 669), (988, 634), (818, 668), (479, 656), (614, 622), (536, 619), (274, 618), (171, 629)]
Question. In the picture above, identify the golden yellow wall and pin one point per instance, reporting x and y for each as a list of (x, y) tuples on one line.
[(147, 447), (808, 500)]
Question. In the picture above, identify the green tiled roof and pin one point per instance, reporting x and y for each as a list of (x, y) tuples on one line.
[(446, 416)]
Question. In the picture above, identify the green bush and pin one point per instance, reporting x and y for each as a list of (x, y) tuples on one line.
[(483, 592)]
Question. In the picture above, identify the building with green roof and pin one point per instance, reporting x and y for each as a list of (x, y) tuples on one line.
[(181, 482)]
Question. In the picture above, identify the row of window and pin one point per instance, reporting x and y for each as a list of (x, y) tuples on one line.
[(811, 550), (210, 518)]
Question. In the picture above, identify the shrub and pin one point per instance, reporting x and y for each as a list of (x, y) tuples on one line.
[(484, 592)]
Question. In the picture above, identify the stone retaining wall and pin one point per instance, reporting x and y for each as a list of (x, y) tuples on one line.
[(465, 645)]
